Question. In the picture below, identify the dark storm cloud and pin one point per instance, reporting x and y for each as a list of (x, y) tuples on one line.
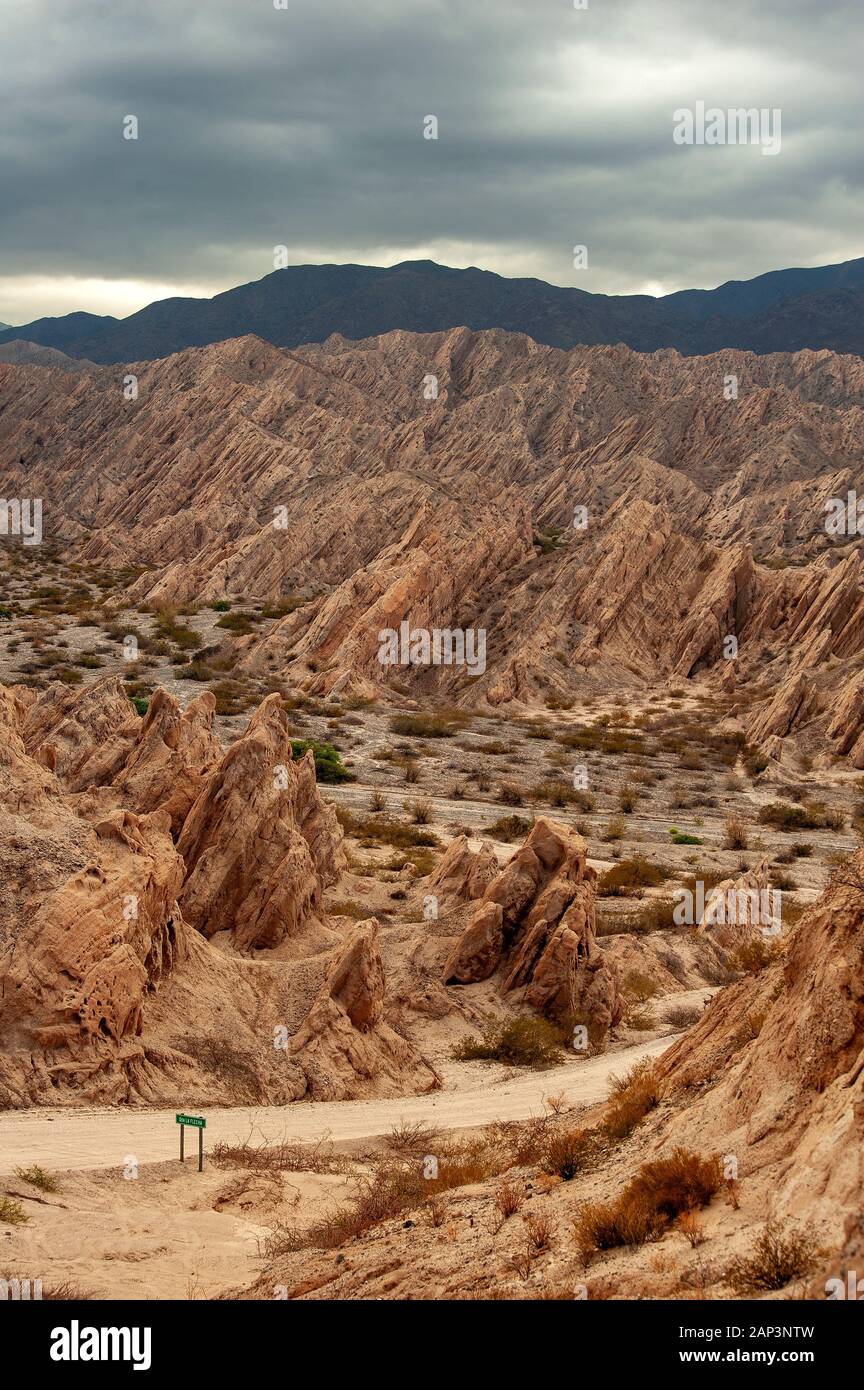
[(303, 126)]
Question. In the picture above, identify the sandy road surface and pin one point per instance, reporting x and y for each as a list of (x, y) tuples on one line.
[(100, 1138)]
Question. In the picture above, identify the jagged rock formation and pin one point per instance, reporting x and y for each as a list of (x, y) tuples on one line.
[(173, 752), (462, 875), (535, 923), (248, 840), (109, 987), (331, 473), (743, 910), (345, 1045)]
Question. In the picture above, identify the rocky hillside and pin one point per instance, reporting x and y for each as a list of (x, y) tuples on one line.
[(602, 516)]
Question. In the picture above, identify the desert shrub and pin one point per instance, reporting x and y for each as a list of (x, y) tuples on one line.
[(631, 873), (627, 798), (781, 1253), (526, 1042), (683, 1015), (241, 622), (639, 986), (509, 794), (615, 829), (508, 828), (691, 1228), (680, 837), (784, 816), (641, 1018), (37, 1177), (328, 762), (630, 1098), (661, 1191), (380, 829), (288, 1156), (140, 704), (193, 671), (349, 908), (735, 833), (670, 1186), (753, 956), (221, 606), (540, 1229), (655, 914), (421, 811), (12, 1213), (508, 1198), (377, 800), (605, 1226), (567, 1153), (412, 1137), (428, 725)]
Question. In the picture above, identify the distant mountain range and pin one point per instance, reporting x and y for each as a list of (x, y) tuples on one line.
[(782, 311)]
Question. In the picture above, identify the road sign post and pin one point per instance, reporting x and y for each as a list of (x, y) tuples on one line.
[(197, 1122)]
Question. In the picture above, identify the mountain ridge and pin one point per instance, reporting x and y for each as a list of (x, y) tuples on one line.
[(779, 311)]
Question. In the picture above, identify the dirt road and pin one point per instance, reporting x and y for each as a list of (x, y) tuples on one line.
[(100, 1138)]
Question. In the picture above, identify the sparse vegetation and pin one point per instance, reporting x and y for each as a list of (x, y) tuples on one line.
[(781, 1253), (520, 1042)]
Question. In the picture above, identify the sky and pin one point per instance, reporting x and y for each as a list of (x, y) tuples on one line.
[(303, 126)]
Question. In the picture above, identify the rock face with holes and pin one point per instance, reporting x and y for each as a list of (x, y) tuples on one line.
[(534, 925)]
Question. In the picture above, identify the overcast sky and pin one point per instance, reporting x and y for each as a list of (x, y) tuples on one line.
[(304, 126)]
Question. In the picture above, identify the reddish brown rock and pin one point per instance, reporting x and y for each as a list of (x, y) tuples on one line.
[(463, 874)]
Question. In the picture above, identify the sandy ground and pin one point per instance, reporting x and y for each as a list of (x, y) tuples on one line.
[(97, 1138), (128, 1221)]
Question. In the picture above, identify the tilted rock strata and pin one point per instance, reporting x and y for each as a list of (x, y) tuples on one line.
[(535, 923)]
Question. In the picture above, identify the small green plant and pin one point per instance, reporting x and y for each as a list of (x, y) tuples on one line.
[(38, 1177), (678, 837), (12, 1213), (328, 762)]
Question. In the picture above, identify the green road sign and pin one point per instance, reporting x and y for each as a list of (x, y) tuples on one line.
[(197, 1120)]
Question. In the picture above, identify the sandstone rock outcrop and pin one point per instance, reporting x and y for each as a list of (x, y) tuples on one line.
[(257, 843), (777, 1061), (462, 875), (743, 910), (461, 511), (535, 922), (108, 992), (173, 751), (345, 1046)]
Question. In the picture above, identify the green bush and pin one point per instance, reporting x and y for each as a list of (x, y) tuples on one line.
[(678, 837), (328, 762)]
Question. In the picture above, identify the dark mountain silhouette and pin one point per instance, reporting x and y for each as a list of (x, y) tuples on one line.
[(784, 310)]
